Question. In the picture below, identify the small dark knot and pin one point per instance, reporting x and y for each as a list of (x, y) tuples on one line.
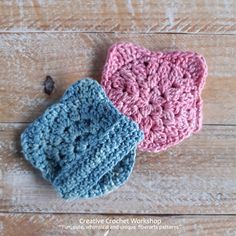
[(49, 85)]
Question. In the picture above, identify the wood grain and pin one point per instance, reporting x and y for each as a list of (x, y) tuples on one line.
[(26, 59), (70, 224), (195, 177), (183, 16), (69, 40)]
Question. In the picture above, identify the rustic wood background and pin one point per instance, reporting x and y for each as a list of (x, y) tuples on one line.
[(192, 185)]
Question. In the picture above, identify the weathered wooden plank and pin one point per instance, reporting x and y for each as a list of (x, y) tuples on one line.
[(195, 177), (25, 60), (110, 225), (200, 16)]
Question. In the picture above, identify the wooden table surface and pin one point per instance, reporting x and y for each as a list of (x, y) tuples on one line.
[(190, 188)]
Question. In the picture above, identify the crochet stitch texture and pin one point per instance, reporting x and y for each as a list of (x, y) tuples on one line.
[(83, 145), (159, 90)]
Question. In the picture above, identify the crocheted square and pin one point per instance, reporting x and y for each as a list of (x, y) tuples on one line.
[(83, 145), (159, 90)]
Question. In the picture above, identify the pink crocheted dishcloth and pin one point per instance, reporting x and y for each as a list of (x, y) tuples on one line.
[(159, 90)]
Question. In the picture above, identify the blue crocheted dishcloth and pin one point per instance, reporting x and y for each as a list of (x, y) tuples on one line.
[(83, 145)]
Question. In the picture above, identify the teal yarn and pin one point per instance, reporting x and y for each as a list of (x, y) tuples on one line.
[(83, 145)]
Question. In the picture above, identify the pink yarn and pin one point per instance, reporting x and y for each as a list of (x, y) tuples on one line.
[(159, 90)]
